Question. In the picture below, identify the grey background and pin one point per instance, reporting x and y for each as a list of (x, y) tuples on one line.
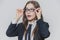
[(51, 14)]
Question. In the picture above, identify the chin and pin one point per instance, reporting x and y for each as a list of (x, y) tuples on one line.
[(30, 19)]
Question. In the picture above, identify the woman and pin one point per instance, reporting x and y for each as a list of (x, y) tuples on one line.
[(32, 15)]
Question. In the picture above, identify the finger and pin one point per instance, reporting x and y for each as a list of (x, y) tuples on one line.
[(19, 10), (35, 11), (38, 9)]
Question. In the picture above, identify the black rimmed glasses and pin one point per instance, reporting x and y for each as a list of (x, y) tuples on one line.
[(31, 9)]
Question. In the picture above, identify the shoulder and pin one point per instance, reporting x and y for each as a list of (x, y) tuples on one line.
[(42, 23)]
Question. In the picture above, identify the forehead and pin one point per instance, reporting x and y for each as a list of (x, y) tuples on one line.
[(30, 5)]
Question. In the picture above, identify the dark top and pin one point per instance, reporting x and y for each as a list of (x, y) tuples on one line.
[(18, 30)]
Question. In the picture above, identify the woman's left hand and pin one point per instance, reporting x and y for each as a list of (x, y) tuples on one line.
[(38, 13)]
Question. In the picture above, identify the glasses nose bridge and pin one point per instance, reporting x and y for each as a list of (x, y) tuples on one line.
[(29, 10)]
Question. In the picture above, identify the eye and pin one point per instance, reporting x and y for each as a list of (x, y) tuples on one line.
[(26, 9), (32, 9)]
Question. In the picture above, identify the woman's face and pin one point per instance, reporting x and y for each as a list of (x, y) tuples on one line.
[(30, 11)]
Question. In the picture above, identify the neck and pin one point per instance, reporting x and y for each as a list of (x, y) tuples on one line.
[(31, 21)]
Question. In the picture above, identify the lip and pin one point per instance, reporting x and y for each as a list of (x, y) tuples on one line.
[(28, 15)]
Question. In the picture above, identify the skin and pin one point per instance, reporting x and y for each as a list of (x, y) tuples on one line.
[(19, 13), (31, 14)]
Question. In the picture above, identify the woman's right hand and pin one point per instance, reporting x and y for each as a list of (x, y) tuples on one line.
[(19, 14)]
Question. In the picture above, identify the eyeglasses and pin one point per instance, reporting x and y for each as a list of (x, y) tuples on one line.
[(31, 10)]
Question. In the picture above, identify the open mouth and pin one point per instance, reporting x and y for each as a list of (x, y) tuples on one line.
[(28, 15)]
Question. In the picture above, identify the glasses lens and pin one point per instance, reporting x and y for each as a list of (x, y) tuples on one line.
[(31, 9)]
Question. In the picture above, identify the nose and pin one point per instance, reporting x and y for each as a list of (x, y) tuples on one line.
[(28, 12)]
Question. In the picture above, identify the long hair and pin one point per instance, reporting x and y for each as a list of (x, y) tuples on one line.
[(25, 21)]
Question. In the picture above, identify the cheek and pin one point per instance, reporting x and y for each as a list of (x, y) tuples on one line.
[(33, 15)]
